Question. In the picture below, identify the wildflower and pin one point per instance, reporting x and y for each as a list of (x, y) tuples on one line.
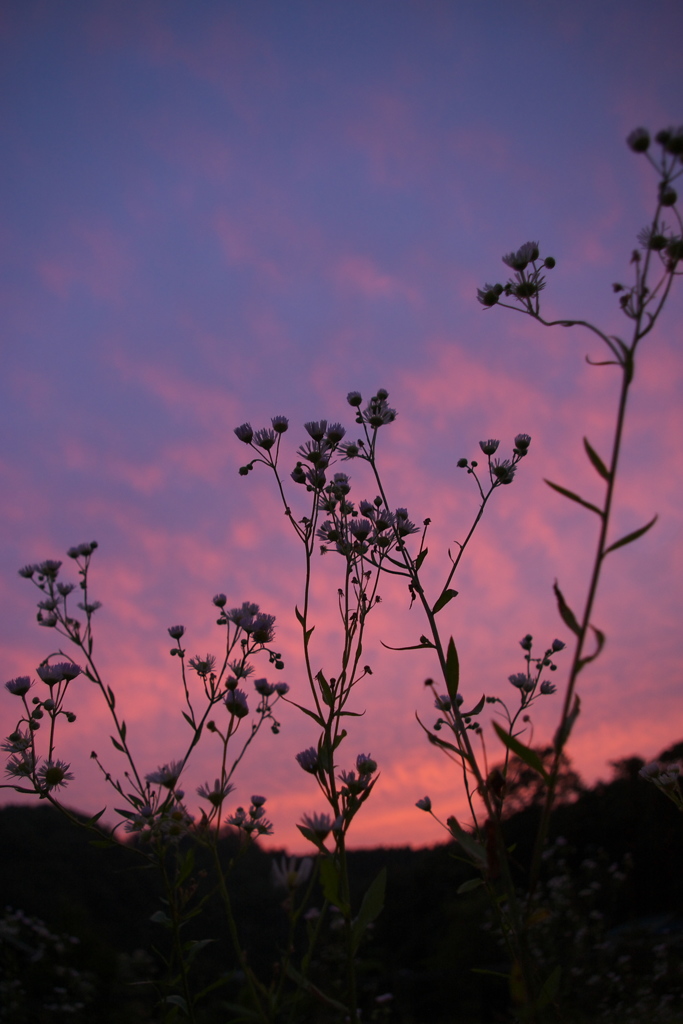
[(352, 784), (350, 450), (316, 429), (443, 703), (27, 571), (65, 588), (244, 433), (176, 631), (548, 687), (378, 413), (638, 140), (489, 447), (19, 686), (217, 794), (520, 680), (365, 764), (526, 642), (489, 294), (503, 470), (354, 398), (21, 767), (652, 238), (557, 645), (258, 801), (425, 804), (89, 607), (59, 672), (242, 615), (335, 432), (48, 568), (279, 424), (264, 439), (360, 529), (203, 666), (522, 442), (54, 773), (290, 872), (308, 759), (263, 687), (167, 775), (261, 628), (524, 255), (236, 703), (281, 689), (321, 824), (17, 742)]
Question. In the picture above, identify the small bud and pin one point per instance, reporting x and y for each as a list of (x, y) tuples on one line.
[(639, 140), (462, 463), (667, 195), (425, 804), (549, 263)]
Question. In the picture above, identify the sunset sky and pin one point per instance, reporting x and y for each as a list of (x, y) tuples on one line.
[(218, 212)]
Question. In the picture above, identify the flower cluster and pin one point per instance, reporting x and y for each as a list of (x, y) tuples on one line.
[(527, 282), (252, 822)]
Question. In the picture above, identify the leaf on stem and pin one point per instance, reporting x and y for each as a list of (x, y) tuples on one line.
[(424, 642), (95, 817), (565, 611), (452, 670), (307, 711), (475, 710), (443, 600), (417, 565), (600, 642), (549, 989), (325, 690), (299, 616), (370, 908), (596, 461), (117, 745), (329, 877), (472, 847), (523, 752), (566, 726), (631, 536), (112, 698), (469, 885), (342, 736), (574, 497)]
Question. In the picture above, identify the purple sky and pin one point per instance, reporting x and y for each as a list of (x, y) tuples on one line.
[(221, 212)]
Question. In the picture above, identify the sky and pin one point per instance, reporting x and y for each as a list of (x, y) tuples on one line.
[(220, 212)]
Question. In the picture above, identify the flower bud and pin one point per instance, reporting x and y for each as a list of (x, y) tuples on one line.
[(639, 140)]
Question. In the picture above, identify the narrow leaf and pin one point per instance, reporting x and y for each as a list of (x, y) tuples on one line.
[(549, 989), (524, 753), (117, 745), (325, 689), (475, 710), (342, 736), (420, 559), (95, 817), (159, 917), (329, 877), (452, 670), (597, 462), (562, 734), (307, 635), (307, 711), (600, 643), (112, 698), (178, 1001), (423, 645), (632, 536), (299, 616), (443, 600), (470, 845), (470, 885), (370, 908), (189, 720), (565, 611), (574, 497)]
